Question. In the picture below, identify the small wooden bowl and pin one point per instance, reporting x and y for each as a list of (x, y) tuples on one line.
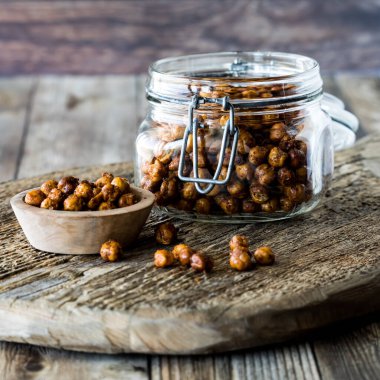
[(81, 232)]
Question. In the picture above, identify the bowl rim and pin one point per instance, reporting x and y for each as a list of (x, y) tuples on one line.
[(146, 201)]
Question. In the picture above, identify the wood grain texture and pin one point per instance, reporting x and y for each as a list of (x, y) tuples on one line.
[(123, 37), (130, 306), (80, 121), (37, 363), (15, 98)]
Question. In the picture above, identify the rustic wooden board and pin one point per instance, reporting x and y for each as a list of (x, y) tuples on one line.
[(328, 269), (103, 37)]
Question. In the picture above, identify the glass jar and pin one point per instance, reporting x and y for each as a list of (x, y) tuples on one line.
[(238, 137)]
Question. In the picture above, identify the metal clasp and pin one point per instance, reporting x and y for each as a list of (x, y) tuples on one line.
[(192, 128)]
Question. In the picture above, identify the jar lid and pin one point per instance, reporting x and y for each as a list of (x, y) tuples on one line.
[(344, 124)]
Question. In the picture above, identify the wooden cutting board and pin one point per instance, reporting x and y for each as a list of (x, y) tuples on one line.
[(327, 270)]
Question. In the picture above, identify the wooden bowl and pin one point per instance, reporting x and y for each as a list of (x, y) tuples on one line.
[(81, 232)]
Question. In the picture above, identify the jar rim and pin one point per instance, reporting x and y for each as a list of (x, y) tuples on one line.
[(177, 79), (258, 57)]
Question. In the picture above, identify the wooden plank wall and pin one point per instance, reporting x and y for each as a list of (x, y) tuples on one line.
[(123, 37)]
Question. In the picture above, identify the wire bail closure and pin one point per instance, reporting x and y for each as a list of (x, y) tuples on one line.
[(192, 128)]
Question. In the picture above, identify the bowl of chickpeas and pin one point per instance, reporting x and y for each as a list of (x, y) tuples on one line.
[(71, 216)]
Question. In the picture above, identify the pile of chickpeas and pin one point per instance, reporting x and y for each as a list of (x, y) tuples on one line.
[(71, 194), (270, 168)]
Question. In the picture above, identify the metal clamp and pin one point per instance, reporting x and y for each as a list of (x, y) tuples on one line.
[(192, 128)]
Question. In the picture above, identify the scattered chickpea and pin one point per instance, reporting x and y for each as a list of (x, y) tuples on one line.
[(238, 241), (240, 261), (48, 186), (111, 251), (264, 256), (163, 258), (34, 197), (200, 263), (183, 253), (165, 233)]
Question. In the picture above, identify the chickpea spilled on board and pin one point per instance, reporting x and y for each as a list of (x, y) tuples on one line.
[(71, 194)]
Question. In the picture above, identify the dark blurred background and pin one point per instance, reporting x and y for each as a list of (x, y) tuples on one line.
[(123, 37)]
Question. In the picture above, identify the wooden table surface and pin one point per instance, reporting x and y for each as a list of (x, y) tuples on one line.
[(49, 123)]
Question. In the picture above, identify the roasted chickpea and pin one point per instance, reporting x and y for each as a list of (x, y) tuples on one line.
[(248, 206), (301, 174), (94, 202), (183, 253), (48, 186), (96, 191), (259, 193), (277, 132), (240, 260), (49, 204), (122, 184), (148, 184), (287, 143), (110, 192), (258, 154), (265, 174), (165, 157), (128, 199), (270, 206), (244, 171), (68, 184), (245, 142), (84, 190), (169, 188), (301, 145), (105, 179), (111, 251), (285, 177), (56, 195), (295, 193), (228, 204), (286, 204), (157, 171), (73, 203), (34, 198), (237, 188), (189, 191), (239, 159), (163, 258), (296, 158), (277, 157), (250, 94), (238, 241), (203, 206), (200, 263), (165, 233), (106, 206), (264, 256)]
